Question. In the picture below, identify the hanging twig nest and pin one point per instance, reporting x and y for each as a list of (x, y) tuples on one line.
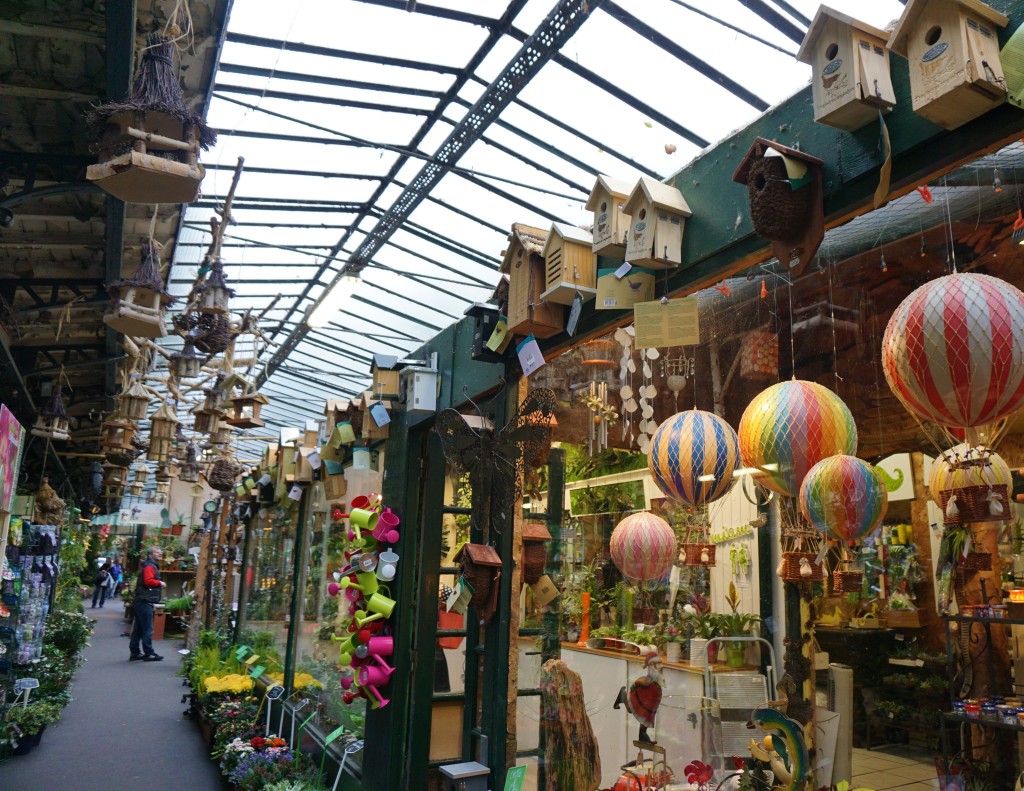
[(49, 506), (222, 475), (210, 332)]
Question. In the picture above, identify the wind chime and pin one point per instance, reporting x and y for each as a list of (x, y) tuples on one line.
[(52, 422), (677, 372), (597, 361)]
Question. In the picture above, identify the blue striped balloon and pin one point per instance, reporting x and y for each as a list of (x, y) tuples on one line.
[(689, 446)]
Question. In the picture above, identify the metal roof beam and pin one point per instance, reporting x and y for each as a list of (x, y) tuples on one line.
[(412, 338), (380, 339), (436, 11), (496, 191), (265, 93), (295, 172), (409, 251), (451, 245), (329, 388), (321, 79), (309, 49), (282, 204), (775, 19), (641, 28), (325, 141)]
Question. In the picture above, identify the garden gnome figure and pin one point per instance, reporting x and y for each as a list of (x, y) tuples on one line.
[(644, 695)]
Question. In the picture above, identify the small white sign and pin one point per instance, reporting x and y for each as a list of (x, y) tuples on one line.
[(623, 270), (295, 493)]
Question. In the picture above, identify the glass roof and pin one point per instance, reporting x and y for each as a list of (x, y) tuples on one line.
[(342, 110)]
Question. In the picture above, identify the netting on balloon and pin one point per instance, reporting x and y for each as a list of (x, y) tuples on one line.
[(803, 551)]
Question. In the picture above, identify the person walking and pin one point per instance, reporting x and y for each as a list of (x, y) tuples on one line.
[(99, 591), (115, 578), (148, 591)]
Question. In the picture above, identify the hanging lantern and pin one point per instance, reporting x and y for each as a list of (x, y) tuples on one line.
[(118, 433), (790, 427), (214, 294), (52, 421), (952, 351), (141, 472), (189, 470), (186, 364), (643, 547), (245, 410), (134, 402), (842, 495), (161, 434), (135, 489), (692, 457), (139, 301), (976, 480)]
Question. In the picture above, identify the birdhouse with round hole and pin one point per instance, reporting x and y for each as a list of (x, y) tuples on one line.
[(52, 422), (161, 434), (952, 51), (850, 80), (118, 433), (245, 410), (611, 223), (523, 262), (657, 214), (134, 402), (186, 364), (138, 302), (570, 266)]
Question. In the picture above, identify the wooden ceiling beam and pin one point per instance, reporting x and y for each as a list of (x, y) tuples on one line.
[(47, 31)]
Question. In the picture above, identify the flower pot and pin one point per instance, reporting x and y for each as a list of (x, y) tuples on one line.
[(176, 529), (713, 652), (698, 652), (736, 654), (672, 652)]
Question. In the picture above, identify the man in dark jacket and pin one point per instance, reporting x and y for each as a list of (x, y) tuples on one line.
[(147, 594)]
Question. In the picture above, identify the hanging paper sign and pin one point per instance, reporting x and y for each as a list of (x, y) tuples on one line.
[(461, 596), (613, 293), (671, 323), (544, 591), (500, 337), (314, 457), (530, 356), (574, 314), (623, 270), (295, 493), (265, 479), (380, 415), (240, 490)]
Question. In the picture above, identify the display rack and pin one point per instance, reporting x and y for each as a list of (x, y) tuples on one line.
[(27, 595)]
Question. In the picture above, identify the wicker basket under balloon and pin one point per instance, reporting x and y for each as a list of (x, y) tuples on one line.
[(975, 504), (976, 561), (697, 554), (847, 581), (801, 555)]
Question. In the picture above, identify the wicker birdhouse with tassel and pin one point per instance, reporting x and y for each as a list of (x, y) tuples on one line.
[(52, 421), (133, 403), (189, 470), (139, 301), (161, 434), (149, 144), (186, 364), (214, 294)]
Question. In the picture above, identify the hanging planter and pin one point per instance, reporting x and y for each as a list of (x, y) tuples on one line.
[(149, 144), (138, 302), (52, 421), (186, 364)]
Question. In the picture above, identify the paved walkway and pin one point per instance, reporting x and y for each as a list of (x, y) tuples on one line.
[(124, 729)]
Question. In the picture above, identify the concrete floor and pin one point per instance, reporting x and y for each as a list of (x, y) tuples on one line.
[(123, 730)]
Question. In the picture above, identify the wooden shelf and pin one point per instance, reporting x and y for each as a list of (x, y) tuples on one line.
[(969, 619), (984, 722)]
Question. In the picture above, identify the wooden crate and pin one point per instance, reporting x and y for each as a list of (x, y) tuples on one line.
[(946, 44)]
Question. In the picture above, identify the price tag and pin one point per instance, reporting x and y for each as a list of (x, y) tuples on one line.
[(623, 270), (295, 493), (530, 357), (242, 652), (380, 415), (515, 778), (500, 336), (333, 735), (314, 458), (252, 659), (257, 671), (574, 314), (23, 684)]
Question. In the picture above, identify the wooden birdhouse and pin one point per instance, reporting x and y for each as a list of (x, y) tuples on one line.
[(371, 429), (140, 472), (161, 434), (386, 376), (523, 262), (535, 553), (481, 567), (657, 213), (118, 433), (785, 191), (163, 473), (134, 402), (849, 70), (952, 49), (149, 144), (186, 364), (52, 421), (485, 318), (135, 489), (114, 478), (138, 302), (611, 223), (570, 266), (189, 470), (245, 410), (214, 294), (221, 435), (205, 421)]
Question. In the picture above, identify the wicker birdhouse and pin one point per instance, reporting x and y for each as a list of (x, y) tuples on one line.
[(657, 213), (481, 567), (523, 262), (149, 144), (850, 70), (611, 223), (186, 364), (134, 402), (161, 434), (952, 49), (784, 188), (535, 553), (570, 266), (222, 474), (138, 302), (141, 472), (52, 421), (189, 470), (118, 433), (245, 410), (214, 294)]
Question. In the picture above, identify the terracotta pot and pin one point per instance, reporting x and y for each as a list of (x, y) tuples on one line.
[(176, 529)]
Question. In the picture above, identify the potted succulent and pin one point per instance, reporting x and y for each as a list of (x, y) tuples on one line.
[(736, 624)]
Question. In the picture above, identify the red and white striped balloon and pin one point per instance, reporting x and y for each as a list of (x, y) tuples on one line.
[(643, 547), (953, 351)]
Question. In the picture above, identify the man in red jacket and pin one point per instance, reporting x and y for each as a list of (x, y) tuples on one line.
[(147, 594)]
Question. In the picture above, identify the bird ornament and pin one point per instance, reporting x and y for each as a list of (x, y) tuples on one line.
[(783, 749)]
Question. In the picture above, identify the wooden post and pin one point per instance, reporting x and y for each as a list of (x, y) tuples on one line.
[(930, 634), (197, 623)]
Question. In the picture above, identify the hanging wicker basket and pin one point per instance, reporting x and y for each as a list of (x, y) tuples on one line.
[(777, 211), (696, 554), (791, 565), (845, 581), (977, 561), (973, 503)]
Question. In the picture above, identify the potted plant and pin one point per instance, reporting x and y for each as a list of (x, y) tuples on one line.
[(701, 625), (32, 720), (673, 643), (736, 624)]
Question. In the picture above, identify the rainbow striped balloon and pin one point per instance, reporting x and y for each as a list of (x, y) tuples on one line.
[(964, 465), (789, 428), (643, 547), (843, 496), (689, 446), (953, 351)]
